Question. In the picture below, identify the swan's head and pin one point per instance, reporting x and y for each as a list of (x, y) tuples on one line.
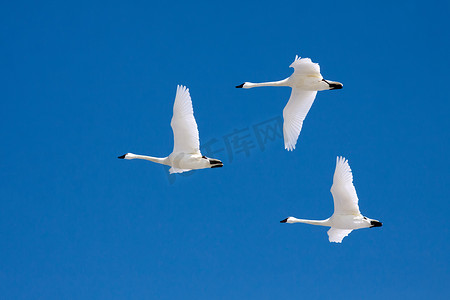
[(245, 85), (331, 85), (371, 222), (127, 156), (289, 220), (211, 162)]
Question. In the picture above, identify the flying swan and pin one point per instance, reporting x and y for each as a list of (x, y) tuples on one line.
[(305, 82), (186, 154), (346, 216)]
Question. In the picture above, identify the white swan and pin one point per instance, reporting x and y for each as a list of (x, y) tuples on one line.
[(305, 82), (346, 216), (186, 154)]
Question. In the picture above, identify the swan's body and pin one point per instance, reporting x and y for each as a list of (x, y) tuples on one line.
[(186, 154), (305, 82), (346, 216)]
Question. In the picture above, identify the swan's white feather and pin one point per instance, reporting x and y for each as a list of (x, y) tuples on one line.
[(176, 170), (294, 114), (185, 131), (305, 66), (343, 190), (336, 235)]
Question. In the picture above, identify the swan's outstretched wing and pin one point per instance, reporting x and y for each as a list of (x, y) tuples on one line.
[(343, 190), (337, 235), (304, 66), (185, 131), (294, 113)]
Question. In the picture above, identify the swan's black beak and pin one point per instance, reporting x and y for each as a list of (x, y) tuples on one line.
[(334, 85), (122, 156), (284, 221), (215, 163), (375, 224), (240, 86)]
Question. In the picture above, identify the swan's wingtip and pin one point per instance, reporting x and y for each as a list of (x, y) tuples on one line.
[(289, 147), (240, 86), (284, 221), (121, 157), (181, 87), (337, 242)]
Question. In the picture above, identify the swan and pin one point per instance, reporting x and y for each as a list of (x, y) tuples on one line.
[(305, 82), (186, 154), (346, 216)]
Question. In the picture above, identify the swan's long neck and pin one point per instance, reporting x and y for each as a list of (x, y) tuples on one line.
[(158, 160), (283, 82), (312, 222)]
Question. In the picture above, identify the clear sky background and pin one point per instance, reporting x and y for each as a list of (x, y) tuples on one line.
[(84, 82)]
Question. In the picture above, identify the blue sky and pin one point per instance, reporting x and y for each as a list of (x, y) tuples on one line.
[(85, 82)]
